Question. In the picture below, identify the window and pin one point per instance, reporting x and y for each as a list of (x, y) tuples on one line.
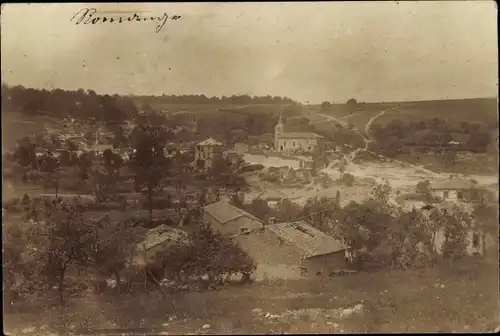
[(446, 194), (303, 271), (460, 194), (284, 143), (293, 144)]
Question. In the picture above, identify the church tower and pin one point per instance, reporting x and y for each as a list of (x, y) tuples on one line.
[(278, 132)]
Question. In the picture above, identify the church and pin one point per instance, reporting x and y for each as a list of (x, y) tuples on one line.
[(295, 141)]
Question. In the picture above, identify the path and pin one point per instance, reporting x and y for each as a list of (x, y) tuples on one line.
[(367, 139)]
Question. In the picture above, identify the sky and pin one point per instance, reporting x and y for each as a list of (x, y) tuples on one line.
[(310, 52)]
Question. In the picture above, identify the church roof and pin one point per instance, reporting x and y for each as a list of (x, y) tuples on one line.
[(300, 135)]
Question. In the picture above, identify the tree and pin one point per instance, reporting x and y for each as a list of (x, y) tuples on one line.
[(348, 179), (181, 174), (116, 243), (59, 238), (424, 188), (325, 105), (205, 252), (25, 155), (259, 208), (352, 101), (320, 212), (220, 167), (51, 166), (202, 198), (449, 158), (150, 164), (287, 211)]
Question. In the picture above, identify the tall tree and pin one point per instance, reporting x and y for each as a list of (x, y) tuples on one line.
[(150, 164)]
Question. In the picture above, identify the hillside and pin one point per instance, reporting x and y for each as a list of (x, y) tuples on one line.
[(453, 111), (16, 126)]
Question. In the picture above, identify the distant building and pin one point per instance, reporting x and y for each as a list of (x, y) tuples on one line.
[(451, 189), (241, 147), (295, 141), (228, 219), (207, 151), (293, 250)]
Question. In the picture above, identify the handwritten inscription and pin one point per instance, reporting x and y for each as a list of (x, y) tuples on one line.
[(90, 16)]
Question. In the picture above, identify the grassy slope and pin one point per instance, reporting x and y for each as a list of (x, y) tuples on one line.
[(16, 126), (455, 111), (442, 300)]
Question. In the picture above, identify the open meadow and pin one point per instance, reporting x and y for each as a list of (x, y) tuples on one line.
[(461, 298)]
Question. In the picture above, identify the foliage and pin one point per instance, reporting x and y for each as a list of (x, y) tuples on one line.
[(55, 238), (61, 103), (347, 179), (326, 105), (433, 134), (116, 242), (149, 163), (205, 252)]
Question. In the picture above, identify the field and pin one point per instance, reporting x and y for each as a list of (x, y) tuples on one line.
[(16, 126), (454, 111), (443, 299)]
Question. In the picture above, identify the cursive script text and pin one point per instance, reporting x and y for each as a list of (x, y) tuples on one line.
[(89, 16)]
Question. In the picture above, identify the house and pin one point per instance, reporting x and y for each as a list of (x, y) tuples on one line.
[(294, 250), (228, 219), (296, 141), (451, 189), (157, 240), (206, 151)]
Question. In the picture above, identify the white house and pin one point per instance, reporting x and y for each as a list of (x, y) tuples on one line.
[(207, 151), (451, 189), (295, 141)]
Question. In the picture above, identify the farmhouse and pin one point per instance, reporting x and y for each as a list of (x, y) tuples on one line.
[(451, 189), (292, 250), (206, 151), (157, 240), (228, 219), (295, 141)]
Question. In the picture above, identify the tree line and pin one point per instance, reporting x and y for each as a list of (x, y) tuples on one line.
[(83, 104), (203, 99), (396, 135)]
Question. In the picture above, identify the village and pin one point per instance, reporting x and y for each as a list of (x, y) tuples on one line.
[(250, 169), (295, 170)]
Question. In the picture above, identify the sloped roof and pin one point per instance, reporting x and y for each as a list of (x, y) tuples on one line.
[(210, 142), (162, 235), (457, 183), (113, 215), (300, 135), (310, 240), (224, 212)]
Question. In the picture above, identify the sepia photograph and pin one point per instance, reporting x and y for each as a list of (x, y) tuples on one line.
[(250, 168)]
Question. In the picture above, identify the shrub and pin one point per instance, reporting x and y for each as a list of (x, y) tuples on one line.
[(348, 179)]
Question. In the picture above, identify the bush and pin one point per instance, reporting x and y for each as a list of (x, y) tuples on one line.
[(347, 179), (205, 252)]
